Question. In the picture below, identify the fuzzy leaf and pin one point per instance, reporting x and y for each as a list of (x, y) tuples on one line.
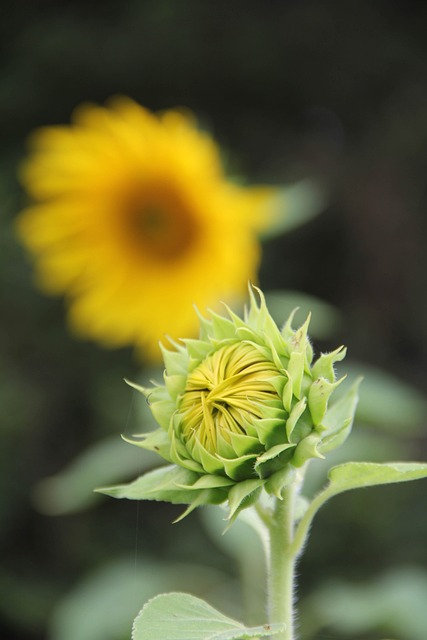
[(338, 419), (239, 468), (209, 482), (161, 484), (242, 495), (318, 396), (136, 386), (335, 440), (198, 349), (306, 449), (206, 496), (102, 603), (157, 441), (273, 453), (287, 393), (294, 416), (324, 366), (180, 616), (175, 384), (280, 479), (222, 328), (296, 371), (353, 475), (175, 361)]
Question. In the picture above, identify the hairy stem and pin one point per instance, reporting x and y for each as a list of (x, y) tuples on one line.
[(282, 560)]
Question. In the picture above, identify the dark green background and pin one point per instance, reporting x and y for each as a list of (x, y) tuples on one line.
[(331, 90)]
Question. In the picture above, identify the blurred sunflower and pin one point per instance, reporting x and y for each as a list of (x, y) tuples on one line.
[(134, 221)]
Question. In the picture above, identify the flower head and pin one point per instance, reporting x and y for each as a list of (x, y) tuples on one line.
[(134, 221), (242, 408)]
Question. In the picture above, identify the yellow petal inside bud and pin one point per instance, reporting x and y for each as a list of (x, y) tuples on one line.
[(225, 393)]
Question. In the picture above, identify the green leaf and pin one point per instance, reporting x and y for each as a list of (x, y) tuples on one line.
[(355, 475), (210, 482), (242, 495), (273, 453), (324, 366), (161, 484), (280, 479), (179, 616), (294, 416), (157, 441), (307, 448), (102, 604), (338, 419), (318, 396)]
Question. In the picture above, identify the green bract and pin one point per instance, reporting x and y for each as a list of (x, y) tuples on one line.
[(240, 410)]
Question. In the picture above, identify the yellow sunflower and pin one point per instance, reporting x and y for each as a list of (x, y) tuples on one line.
[(134, 221)]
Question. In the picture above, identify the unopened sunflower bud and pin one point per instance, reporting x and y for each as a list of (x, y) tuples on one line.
[(243, 407)]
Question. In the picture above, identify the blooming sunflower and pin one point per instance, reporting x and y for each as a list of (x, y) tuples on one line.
[(133, 220)]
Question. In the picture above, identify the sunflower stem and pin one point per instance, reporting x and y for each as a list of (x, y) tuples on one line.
[(281, 579)]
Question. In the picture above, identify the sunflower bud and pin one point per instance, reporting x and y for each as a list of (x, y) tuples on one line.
[(244, 406)]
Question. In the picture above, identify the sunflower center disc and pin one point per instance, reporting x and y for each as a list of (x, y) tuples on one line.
[(162, 227), (225, 393)]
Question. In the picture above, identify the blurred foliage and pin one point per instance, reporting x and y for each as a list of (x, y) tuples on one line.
[(111, 597), (393, 604), (334, 92)]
